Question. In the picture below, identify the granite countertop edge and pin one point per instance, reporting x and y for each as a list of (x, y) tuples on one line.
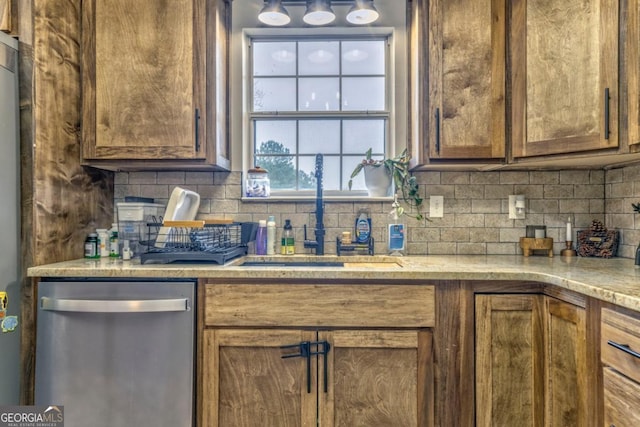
[(615, 280)]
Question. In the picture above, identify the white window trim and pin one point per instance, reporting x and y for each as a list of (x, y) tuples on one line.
[(391, 141)]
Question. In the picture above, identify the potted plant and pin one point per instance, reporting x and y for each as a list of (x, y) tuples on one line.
[(396, 171)]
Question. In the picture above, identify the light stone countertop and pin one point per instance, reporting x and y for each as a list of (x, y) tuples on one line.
[(615, 280)]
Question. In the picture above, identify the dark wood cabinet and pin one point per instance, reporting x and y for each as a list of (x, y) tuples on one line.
[(154, 80)]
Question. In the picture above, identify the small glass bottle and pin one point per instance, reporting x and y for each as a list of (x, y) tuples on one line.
[(261, 238), (287, 242), (114, 244)]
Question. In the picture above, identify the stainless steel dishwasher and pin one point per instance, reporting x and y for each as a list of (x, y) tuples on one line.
[(117, 353)]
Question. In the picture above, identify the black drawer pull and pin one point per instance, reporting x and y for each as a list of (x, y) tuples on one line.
[(625, 348)]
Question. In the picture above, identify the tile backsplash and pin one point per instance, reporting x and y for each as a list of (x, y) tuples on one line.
[(475, 220)]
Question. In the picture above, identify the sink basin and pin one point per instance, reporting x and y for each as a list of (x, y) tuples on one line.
[(321, 262), (292, 264)]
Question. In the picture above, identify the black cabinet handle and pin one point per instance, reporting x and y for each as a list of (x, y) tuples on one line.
[(607, 98), (625, 348), (305, 350), (437, 130), (197, 121)]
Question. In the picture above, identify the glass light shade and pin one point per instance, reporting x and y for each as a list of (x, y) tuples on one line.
[(319, 12), (274, 14), (362, 12)]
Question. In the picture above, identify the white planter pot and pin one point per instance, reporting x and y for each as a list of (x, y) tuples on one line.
[(377, 180)]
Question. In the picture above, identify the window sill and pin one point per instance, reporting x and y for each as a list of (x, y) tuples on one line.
[(312, 198)]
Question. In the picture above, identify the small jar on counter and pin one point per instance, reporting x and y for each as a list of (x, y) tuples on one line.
[(258, 183), (91, 246)]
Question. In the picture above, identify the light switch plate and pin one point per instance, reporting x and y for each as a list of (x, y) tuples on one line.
[(436, 208)]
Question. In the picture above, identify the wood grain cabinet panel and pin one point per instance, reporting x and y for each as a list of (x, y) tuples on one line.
[(154, 84), (565, 60), (631, 62), (458, 74), (566, 390), (621, 400), (509, 360), (5, 16)]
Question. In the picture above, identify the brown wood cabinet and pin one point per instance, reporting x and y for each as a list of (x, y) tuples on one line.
[(460, 51), (370, 355), (154, 80), (631, 62), (620, 352), (5, 16), (566, 388), (509, 360), (564, 76)]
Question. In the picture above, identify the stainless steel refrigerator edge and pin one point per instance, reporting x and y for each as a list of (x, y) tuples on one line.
[(10, 270)]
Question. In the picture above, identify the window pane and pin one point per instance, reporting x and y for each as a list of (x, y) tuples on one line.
[(274, 94), (274, 59), (363, 57), (275, 137), (363, 94), (282, 171), (319, 136), (348, 165), (330, 165), (319, 94), (319, 58), (360, 135)]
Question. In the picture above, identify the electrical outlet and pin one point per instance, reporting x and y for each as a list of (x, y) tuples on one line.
[(436, 206)]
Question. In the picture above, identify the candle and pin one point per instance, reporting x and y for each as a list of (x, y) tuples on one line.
[(569, 232)]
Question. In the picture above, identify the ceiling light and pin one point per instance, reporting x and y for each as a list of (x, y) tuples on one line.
[(319, 12), (274, 14), (362, 12)]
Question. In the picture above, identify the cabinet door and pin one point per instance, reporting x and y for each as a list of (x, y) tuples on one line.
[(145, 86), (5, 16), (246, 382), (566, 379), (377, 378), (509, 360), (466, 79), (621, 400), (565, 62), (631, 61)]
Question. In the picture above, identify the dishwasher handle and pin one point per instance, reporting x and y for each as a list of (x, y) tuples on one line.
[(114, 306)]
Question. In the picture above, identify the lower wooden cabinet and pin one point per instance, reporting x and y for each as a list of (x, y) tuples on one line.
[(621, 400), (531, 362), (509, 356), (302, 377)]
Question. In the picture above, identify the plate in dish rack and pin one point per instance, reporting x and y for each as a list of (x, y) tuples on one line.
[(183, 206)]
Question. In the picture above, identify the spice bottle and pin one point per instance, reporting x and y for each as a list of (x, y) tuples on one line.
[(91, 246)]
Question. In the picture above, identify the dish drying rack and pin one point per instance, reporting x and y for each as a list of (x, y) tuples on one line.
[(197, 241)]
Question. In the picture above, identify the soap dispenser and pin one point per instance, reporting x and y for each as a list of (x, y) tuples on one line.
[(396, 231)]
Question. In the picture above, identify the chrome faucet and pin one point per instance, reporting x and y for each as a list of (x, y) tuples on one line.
[(319, 231)]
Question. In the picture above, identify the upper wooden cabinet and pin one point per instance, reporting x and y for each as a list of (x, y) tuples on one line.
[(564, 76), (155, 84), (631, 62), (459, 49), (5, 16)]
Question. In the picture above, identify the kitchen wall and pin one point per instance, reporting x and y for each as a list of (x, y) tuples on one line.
[(475, 206)]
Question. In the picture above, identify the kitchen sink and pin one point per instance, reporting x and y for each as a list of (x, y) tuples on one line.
[(320, 262)]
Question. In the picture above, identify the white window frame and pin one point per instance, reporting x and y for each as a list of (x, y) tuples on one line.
[(310, 34)]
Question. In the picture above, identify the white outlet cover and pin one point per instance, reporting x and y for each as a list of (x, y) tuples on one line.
[(436, 206)]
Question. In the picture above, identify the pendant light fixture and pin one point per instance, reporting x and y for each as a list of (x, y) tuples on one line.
[(362, 12), (274, 14), (319, 12)]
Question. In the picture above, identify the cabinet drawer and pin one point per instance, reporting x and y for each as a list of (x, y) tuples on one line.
[(620, 344), (621, 400), (323, 305)]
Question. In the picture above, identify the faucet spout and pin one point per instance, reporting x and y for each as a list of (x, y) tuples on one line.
[(319, 230)]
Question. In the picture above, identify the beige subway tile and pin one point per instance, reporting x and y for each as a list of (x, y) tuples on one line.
[(514, 177), (503, 249), (574, 205), (227, 178), (544, 177), (574, 177), (447, 191), (425, 234), (469, 220), (471, 248), (121, 178), (501, 191), (211, 191), (471, 191), (631, 173), (199, 178), (543, 206), (442, 248), (597, 176), (142, 177), (614, 175), (121, 191), (530, 191), (171, 177), (621, 189), (558, 191), (588, 191), (511, 234), (481, 206), (596, 206), (455, 177), (486, 178), (454, 235), (484, 235), (160, 192)]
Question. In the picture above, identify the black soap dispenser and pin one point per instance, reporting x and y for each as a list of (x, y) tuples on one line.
[(638, 255)]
